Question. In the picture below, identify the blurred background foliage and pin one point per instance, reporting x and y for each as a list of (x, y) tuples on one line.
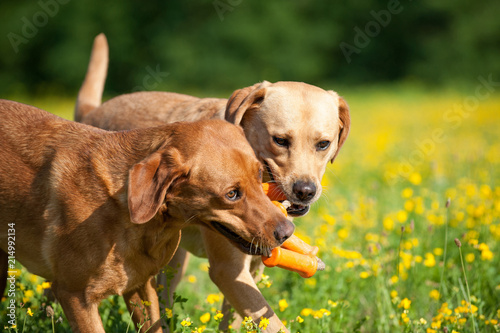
[(214, 46)]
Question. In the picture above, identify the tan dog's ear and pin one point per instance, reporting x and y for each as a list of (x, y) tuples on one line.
[(345, 124), (243, 99), (148, 183)]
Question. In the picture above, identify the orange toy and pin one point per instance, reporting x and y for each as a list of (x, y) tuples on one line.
[(294, 254), (273, 191)]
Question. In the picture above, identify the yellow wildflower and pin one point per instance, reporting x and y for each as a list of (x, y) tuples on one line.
[(311, 282), (343, 233), (409, 205), (204, 267), (415, 178), (438, 251), (186, 322), (364, 275), (168, 312), (205, 318), (306, 312), (371, 237), (30, 312), (283, 304), (265, 281), (191, 279), (434, 294), (486, 255), (388, 224), (247, 323), (213, 298), (405, 304), (325, 312), (407, 193), (263, 323), (436, 324), (329, 219), (332, 303), (299, 319), (402, 216), (218, 316), (394, 279), (429, 261), (469, 257)]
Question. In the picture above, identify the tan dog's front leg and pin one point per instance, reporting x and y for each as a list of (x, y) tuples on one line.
[(230, 271), (82, 316), (144, 301)]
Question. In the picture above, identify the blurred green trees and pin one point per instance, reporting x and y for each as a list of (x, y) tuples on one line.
[(214, 46)]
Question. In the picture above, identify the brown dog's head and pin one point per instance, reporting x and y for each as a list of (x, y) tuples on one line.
[(294, 129), (207, 173)]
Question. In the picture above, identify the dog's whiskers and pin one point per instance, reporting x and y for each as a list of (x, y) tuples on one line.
[(251, 244), (189, 219)]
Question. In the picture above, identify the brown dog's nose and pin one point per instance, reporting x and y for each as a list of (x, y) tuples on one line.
[(304, 191), (283, 231)]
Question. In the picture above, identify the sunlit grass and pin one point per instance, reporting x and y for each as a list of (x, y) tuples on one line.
[(380, 225)]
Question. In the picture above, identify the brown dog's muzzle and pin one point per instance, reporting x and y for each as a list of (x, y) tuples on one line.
[(258, 245), (283, 231)]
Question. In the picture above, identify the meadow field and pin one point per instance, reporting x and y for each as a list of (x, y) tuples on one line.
[(408, 226)]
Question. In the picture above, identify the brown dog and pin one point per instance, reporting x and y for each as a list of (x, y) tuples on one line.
[(294, 129), (100, 213)]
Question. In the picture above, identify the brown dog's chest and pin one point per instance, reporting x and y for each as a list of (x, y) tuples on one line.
[(125, 271)]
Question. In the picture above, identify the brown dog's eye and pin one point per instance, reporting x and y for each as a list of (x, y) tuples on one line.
[(322, 145), (281, 141), (233, 195)]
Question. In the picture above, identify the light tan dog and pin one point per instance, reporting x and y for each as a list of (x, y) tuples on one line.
[(294, 128), (100, 213)]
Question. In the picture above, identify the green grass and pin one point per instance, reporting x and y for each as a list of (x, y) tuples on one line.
[(394, 172)]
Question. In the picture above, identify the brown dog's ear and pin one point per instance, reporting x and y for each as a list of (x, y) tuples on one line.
[(148, 183), (345, 124), (243, 99)]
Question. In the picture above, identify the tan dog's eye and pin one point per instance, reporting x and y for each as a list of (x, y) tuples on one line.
[(233, 195), (322, 145), (281, 141)]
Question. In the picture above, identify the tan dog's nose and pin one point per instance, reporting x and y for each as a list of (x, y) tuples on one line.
[(304, 191), (283, 231)]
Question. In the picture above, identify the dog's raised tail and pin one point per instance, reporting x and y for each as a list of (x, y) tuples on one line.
[(90, 94)]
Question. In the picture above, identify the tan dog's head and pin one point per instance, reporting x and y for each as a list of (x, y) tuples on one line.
[(294, 129), (207, 173)]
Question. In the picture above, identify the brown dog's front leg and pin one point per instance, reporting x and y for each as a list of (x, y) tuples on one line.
[(82, 315), (230, 271), (144, 306)]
